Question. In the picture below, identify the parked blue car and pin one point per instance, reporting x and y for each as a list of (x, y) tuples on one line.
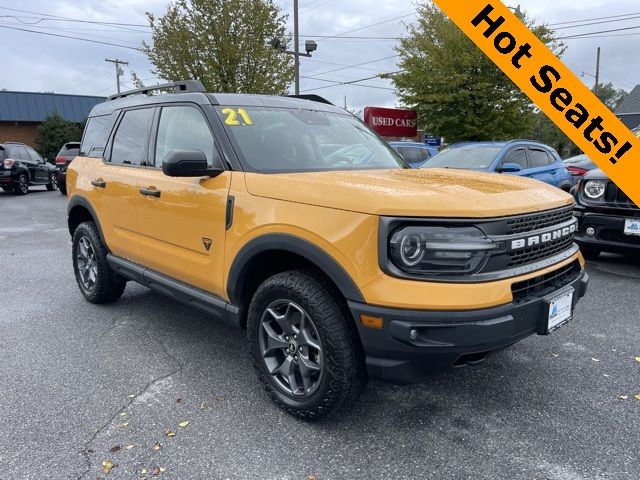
[(415, 154), (524, 158)]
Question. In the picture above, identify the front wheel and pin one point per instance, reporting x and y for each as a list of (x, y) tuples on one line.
[(53, 184), (304, 346), (97, 282)]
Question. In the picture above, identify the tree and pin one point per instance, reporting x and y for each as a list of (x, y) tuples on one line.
[(609, 95), (458, 92), (222, 43), (54, 132)]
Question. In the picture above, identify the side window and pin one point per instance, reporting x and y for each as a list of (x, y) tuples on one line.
[(35, 157), (183, 128), (96, 134), (517, 156), (424, 154), (19, 153), (132, 137), (411, 155), (538, 158)]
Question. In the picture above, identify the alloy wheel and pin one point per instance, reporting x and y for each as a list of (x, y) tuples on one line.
[(87, 264), (23, 184), (291, 348)]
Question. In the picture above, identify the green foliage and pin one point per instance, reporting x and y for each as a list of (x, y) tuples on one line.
[(222, 43), (458, 91), (609, 95), (54, 132)]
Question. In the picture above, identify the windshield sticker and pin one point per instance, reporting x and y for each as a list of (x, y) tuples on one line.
[(236, 117)]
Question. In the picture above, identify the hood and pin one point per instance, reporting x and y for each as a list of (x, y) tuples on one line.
[(595, 174), (413, 193)]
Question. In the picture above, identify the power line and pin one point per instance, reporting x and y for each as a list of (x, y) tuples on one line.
[(70, 37), (356, 65), (598, 23), (578, 35), (592, 19), (368, 26), (92, 36), (353, 83), (67, 19)]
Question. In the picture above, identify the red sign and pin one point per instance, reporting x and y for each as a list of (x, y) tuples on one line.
[(390, 122)]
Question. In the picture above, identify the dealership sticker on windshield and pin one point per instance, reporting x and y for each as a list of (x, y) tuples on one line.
[(235, 117), (502, 36)]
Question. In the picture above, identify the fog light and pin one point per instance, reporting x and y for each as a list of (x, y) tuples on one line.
[(591, 231)]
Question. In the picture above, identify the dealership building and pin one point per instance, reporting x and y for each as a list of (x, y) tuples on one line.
[(22, 112)]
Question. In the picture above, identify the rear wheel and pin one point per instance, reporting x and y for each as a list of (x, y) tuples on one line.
[(304, 346), (21, 186), (590, 253), (97, 282), (52, 185), (63, 189)]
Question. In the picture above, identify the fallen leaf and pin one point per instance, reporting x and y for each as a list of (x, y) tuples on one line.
[(624, 397), (637, 359), (313, 477), (122, 414), (638, 397), (129, 446), (595, 359), (131, 396), (123, 425), (203, 406), (183, 424), (115, 448), (143, 471), (555, 354), (179, 400), (162, 469), (605, 375), (157, 446), (169, 433), (107, 466), (155, 471)]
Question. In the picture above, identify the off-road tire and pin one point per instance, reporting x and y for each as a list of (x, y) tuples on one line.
[(108, 285), (344, 374), (21, 187), (63, 189), (590, 253)]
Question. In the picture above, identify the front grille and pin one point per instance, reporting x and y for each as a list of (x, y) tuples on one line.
[(539, 252), (537, 221), (543, 285), (611, 235), (614, 196)]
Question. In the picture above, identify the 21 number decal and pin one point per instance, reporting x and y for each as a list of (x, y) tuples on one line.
[(236, 117)]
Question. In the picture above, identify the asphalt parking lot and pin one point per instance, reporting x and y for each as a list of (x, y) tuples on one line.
[(82, 384)]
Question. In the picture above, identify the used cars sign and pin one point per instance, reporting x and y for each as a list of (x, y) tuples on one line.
[(390, 122)]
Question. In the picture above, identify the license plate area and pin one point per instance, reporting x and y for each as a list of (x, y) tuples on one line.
[(559, 311), (632, 227)]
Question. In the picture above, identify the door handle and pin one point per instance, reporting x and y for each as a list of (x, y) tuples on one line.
[(150, 192), (100, 183)]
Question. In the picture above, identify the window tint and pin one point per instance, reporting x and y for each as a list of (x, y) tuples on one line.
[(183, 128), (538, 158), (1, 154), (425, 154), (18, 153), (132, 137), (35, 157), (412, 155), (96, 134), (517, 156)]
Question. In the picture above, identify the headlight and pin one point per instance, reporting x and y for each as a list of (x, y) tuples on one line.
[(594, 189), (439, 251)]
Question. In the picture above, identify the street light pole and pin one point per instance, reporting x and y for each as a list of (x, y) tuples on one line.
[(296, 48)]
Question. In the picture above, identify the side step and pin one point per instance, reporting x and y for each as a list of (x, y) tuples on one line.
[(195, 297)]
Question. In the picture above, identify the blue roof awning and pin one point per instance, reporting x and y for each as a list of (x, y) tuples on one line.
[(34, 107)]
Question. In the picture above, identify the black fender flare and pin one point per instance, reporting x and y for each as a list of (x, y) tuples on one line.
[(22, 169), (80, 202), (296, 246)]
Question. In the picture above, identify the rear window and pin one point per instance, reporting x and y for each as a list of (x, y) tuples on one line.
[(1, 154), (96, 134), (70, 152)]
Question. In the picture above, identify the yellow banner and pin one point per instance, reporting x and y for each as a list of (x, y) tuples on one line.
[(552, 87)]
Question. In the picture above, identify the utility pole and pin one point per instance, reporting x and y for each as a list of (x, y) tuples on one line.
[(597, 70), (119, 71), (296, 48)]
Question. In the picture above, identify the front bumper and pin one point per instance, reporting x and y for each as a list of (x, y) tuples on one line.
[(442, 340), (61, 178), (609, 232)]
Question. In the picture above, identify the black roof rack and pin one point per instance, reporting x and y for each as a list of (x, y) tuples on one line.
[(313, 98), (184, 86)]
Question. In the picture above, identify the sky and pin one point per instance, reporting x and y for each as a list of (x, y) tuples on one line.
[(36, 62)]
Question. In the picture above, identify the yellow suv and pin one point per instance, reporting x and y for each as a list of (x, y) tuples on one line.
[(290, 218)]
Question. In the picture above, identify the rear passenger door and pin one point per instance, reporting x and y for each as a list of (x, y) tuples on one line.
[(182, 223), (41, 170), (540, 165), (18, 152)]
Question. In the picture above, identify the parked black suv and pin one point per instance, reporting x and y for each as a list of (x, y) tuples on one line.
[(21, 166), (609, 221), (68, 152)]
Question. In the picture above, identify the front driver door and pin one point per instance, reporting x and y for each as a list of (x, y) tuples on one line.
[(181, 221)]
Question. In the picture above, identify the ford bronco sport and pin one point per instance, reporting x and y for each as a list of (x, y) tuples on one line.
[(288, 217)]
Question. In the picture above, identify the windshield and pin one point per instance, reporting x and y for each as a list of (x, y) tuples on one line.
[(474, 157), (291, 140)]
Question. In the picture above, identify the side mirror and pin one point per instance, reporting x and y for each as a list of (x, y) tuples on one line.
[(189, 163), (509, 168)]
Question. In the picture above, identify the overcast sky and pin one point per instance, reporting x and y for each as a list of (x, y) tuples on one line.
[(34, 62)]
